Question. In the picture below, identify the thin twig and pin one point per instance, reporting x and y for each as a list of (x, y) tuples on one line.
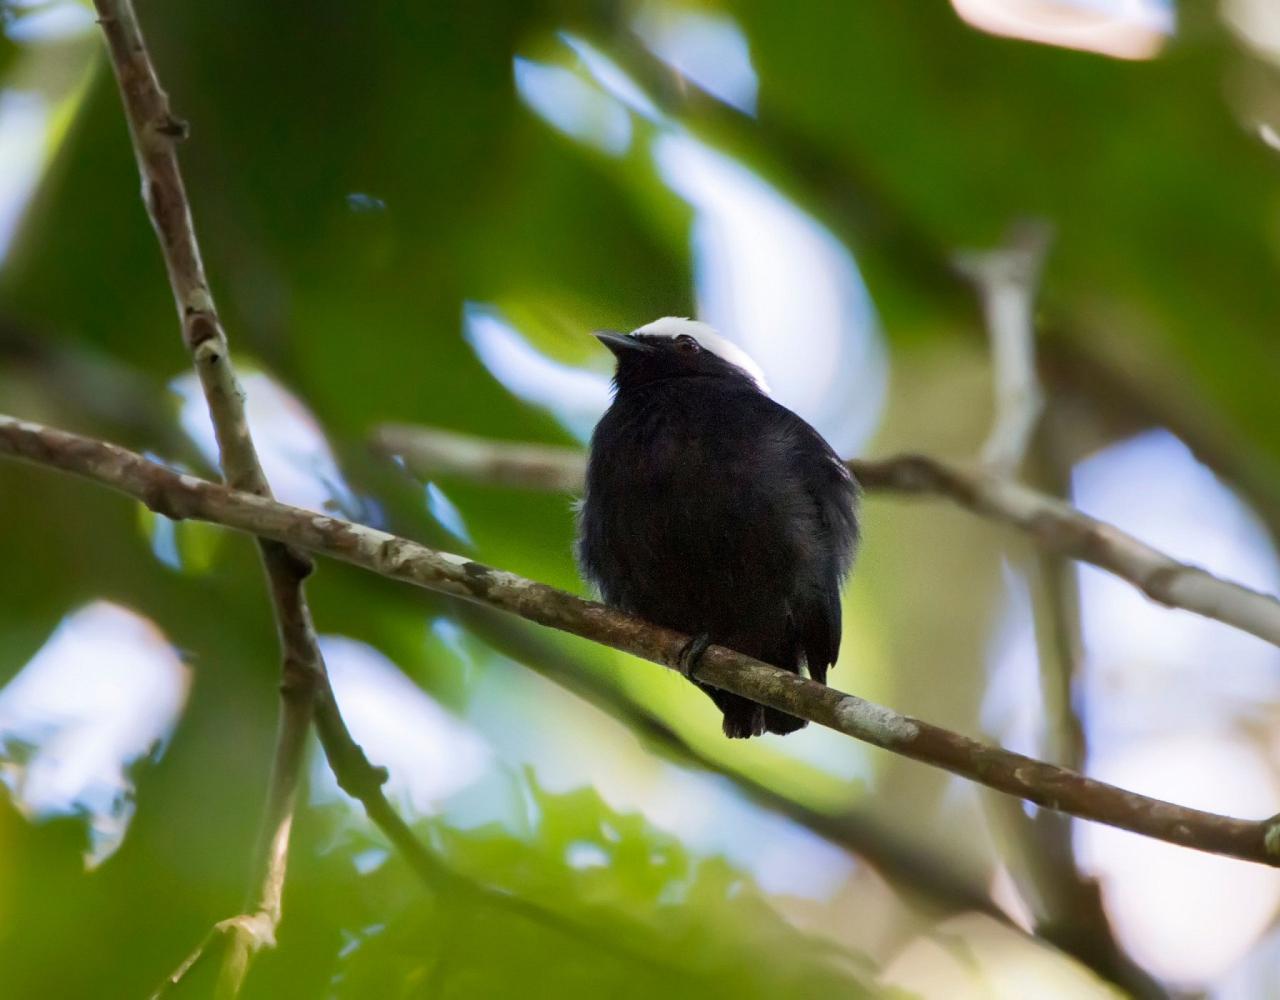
[(1040, 849), (1073, 916), (1052, 524), (182, 496), (155, 131), (1006, 280)]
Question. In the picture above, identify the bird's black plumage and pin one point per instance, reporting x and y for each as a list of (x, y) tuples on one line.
[(715, 511)]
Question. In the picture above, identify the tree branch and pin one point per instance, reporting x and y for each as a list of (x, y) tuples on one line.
[(1006, 280), (305, 688), (1041, 856), (1052, 787), (919, 871), (1052, 524), (1073, 915)]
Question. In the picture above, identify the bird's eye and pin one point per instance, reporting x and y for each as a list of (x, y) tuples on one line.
[(687, 344)]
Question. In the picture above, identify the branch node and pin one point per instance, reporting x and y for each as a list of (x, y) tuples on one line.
[(1017, 261), (353, 771), (172, 127), (297, 563), (301, 563), (258, 929), (160, 499), (298, 680), (361, 780), (200, 331), (1271, 838), (1158, 584)]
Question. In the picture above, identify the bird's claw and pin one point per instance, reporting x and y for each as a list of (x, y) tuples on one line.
[(692, 652)]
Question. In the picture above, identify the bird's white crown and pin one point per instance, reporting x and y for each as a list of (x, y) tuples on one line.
[(709, 339)]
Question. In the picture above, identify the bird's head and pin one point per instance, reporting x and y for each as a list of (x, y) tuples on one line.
[(674, 348)]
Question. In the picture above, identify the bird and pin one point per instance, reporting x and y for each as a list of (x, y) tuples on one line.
[(714, 510)]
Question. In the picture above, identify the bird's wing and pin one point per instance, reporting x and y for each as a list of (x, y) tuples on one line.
[(832, 495)]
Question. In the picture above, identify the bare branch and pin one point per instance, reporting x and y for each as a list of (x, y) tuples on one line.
[(1006, 280), (401, 559), (1040, 849), (1052, 524), (305, 685)]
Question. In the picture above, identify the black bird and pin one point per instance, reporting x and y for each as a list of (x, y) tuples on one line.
[(715, 511)]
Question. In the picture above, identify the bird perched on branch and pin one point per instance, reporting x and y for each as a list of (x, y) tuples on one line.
[(715, 511)]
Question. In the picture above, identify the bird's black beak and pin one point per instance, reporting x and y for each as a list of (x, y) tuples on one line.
[(619, 343)]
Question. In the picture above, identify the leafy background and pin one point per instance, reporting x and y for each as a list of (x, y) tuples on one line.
[(412, 213)]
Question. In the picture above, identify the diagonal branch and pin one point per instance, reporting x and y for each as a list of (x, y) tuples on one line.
[(1054, 525), (179, 496), (917, 872)]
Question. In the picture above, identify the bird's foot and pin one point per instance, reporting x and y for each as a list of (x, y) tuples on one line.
[(692, 653)]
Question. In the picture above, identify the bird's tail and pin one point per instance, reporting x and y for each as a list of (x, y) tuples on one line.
[(743, 718)]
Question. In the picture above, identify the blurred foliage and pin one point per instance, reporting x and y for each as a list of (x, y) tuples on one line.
[(643, 918), (360, 172), (630, 913)]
